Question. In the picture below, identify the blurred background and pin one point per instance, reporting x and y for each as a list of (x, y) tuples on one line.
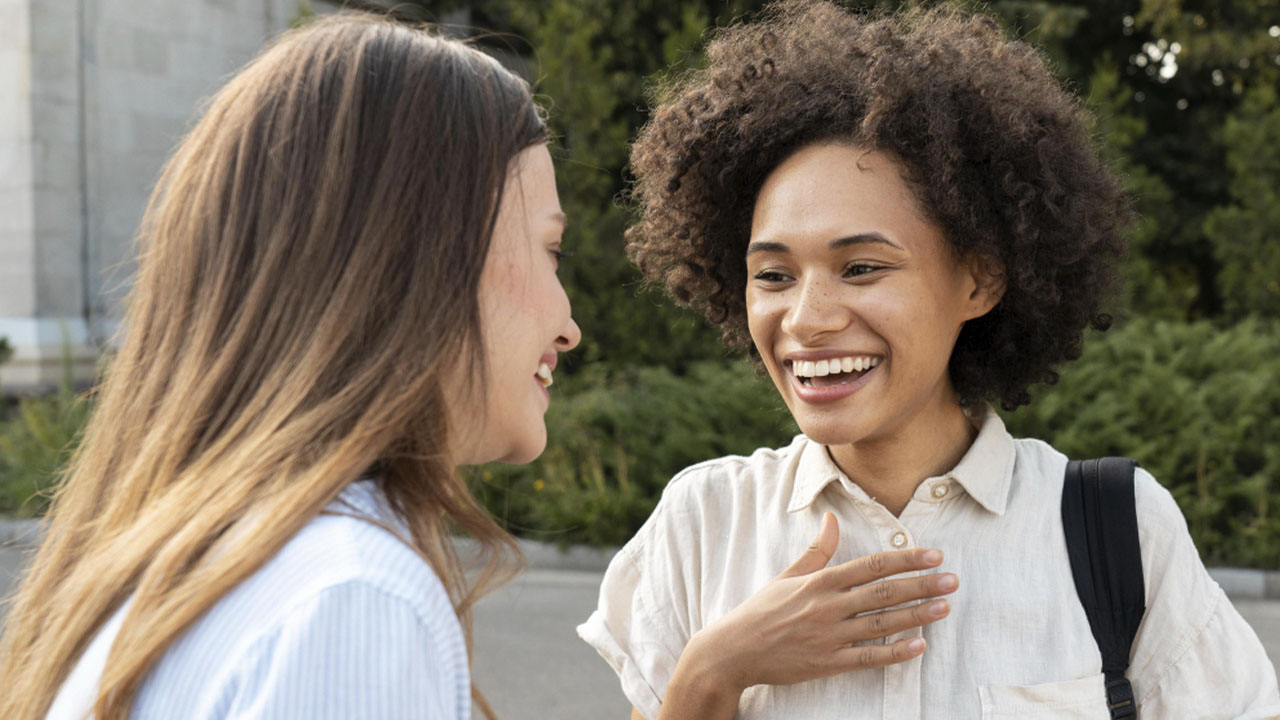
[(95, 93)]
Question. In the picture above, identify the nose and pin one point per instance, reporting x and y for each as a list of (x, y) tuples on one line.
[(569, 338), (816, 310)]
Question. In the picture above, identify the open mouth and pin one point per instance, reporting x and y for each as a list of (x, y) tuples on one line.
[(544, 375), (834, 371)]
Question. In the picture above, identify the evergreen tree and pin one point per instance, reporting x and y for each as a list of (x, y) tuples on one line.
[(1246, 233)]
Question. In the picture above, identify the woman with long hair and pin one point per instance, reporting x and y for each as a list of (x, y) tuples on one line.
[(347, 289), (901, 218)]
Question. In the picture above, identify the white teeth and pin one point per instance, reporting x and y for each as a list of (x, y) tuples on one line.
[(833, 366), (544, 374)]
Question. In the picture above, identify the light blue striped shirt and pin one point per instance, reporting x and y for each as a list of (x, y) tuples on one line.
[(346, 621)]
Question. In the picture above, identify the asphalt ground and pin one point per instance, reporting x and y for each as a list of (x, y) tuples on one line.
[(530, 663)]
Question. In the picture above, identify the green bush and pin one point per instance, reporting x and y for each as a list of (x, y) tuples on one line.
[(36, 441), (615, 437), (1199, 407)]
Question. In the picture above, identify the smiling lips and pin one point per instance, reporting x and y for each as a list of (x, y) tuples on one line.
[(849, 368), (830, 379)]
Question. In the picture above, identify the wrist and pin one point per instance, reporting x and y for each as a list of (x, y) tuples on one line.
[(706, 666)]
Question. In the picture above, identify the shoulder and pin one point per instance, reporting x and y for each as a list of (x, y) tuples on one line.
[(1036, 458), (701, 498), (336, 550), (356, 649), (355, 551), (731, 478), (1160, 520), (344, 605)]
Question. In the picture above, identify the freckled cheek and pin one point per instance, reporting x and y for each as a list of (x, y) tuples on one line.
[(912, 325)]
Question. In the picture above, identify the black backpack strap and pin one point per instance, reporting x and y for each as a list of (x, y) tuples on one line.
[(1101, 527)]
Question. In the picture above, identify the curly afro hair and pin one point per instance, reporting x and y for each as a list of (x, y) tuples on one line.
[(999, 154)]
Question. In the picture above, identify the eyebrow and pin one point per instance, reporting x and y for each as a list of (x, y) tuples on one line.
[(844, 242)]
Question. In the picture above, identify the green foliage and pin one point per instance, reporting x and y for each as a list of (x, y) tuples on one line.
[(1244, 233), (649, 392), (36, 441), (1161, 75), (616, 436), (305, 12), (592, 60), (1149, 291), (1199, 407)]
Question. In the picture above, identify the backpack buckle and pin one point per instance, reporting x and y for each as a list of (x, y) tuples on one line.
[(1120, 700)]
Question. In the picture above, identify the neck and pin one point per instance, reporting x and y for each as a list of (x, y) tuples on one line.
[(890, 467)]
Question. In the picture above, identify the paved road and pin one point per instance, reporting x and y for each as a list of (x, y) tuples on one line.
[(530, 663), (529, 660)]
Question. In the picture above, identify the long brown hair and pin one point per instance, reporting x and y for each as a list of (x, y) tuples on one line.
[(309, 268)]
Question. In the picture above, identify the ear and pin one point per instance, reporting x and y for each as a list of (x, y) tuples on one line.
[(985, 283)]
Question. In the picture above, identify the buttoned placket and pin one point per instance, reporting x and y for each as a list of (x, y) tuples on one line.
[(903, 681)]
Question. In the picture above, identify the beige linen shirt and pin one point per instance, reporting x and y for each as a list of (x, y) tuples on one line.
[(1017, 642)]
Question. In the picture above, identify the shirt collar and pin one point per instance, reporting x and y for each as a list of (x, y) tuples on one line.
[(814, 472), (985, 471)]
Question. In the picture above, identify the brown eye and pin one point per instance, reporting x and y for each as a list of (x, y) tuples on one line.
[(771, 276), (859, 269)]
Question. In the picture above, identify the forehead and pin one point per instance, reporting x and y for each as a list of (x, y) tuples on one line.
[(829, 191), (532, 182)]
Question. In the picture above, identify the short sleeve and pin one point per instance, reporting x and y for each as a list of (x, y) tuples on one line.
[(355, 650), (1194, 655), (648, 601)]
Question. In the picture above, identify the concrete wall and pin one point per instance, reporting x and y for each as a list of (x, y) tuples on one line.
[(93, 96)]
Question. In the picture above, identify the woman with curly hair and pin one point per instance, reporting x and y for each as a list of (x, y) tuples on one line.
[(901, 218)]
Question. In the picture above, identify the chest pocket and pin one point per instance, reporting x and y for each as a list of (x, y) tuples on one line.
[(1081, 699)]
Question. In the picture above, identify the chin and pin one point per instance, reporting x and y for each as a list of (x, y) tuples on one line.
[(832, 429), (825, 434), (526, 451)]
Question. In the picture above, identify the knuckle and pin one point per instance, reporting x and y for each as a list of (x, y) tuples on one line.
[(883, 592), (867, 656), (898, 652), (877, 623), (876, 564), (812, 583), (811, 609)]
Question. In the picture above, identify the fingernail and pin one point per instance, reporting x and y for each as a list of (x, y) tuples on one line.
[(938, 607), (915, 645), (932, 557), (948, 582)]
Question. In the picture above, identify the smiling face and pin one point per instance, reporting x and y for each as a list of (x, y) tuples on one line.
[(844, 271), (525, 318)]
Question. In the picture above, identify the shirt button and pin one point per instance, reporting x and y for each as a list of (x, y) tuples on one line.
[(899, 539), (940, 490)]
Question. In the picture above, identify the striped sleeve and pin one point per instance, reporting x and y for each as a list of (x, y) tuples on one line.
[(353, 650)]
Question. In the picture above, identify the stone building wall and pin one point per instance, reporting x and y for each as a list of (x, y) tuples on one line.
[(94, 94)]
